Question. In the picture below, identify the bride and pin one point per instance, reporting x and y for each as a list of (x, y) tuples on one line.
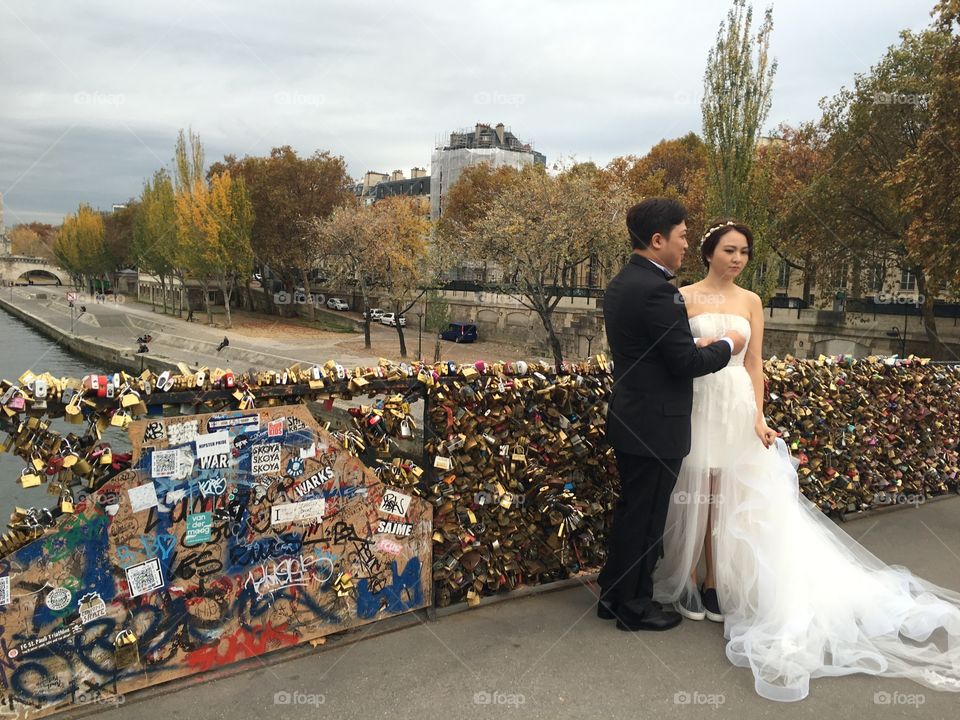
[(798, 597)]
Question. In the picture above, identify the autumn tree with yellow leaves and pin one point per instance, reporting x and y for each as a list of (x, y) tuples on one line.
[(79, 246)]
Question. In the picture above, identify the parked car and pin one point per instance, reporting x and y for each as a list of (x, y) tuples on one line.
[(375, 314), (391, 319), (460, 332), (337, 304)]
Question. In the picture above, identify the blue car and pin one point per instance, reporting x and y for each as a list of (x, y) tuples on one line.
[(460, 332)]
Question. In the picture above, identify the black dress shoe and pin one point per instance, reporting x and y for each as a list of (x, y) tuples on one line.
[(606, 610), (654, 618)]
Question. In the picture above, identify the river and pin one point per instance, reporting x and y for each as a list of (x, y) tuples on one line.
[(26, 349)]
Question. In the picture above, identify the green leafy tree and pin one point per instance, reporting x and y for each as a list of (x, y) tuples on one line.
[(736, 101)]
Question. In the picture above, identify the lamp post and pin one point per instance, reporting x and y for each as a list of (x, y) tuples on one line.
[(420, 336), (894, 332)]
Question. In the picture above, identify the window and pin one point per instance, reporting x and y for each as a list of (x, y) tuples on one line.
[(783, 280), (761, 271), (907, 280), (840, 277)]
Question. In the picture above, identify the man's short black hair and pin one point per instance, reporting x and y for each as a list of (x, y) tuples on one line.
[(652, 216)]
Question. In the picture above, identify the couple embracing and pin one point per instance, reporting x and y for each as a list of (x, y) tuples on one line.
[(710, 523)]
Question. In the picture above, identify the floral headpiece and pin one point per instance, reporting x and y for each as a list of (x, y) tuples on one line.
[(712, 230)]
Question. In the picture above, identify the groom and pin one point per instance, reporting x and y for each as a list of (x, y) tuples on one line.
[(648, 422)]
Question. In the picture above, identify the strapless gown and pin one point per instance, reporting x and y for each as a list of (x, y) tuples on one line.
[(800, 598)]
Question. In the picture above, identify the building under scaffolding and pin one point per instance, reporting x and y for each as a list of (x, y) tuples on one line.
[(493, 145)]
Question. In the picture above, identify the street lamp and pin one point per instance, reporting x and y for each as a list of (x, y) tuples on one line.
[(894, 332), (420, 336)]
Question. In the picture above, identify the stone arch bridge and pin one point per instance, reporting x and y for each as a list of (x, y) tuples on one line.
[(23, 270)]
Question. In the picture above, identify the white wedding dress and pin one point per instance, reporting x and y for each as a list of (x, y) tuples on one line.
[(800, 598)]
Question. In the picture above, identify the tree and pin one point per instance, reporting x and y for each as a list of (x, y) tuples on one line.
[(118, 234), (736, 101), (407, 272), (673, 168), (797, 159), (873, 127), (539, 230), (287, 190), (188, 162), (155, 230), (931, 175), (79, 245), (214, 225), (349, 241), (33, 239)]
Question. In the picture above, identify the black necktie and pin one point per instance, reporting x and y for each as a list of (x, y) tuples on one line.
[(668, 275)]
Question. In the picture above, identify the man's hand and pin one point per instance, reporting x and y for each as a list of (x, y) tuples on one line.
[(739, 340)]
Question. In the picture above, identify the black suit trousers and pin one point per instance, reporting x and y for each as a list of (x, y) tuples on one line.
[(635, 540)]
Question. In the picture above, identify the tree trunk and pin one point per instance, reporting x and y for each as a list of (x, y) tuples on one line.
[(206, 301), (227, 290), (366, 310), (546, 316), (403, 344), (309, 294), (938, 350), (185, 296)]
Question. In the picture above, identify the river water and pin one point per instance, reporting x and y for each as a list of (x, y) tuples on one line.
[(23, 348)]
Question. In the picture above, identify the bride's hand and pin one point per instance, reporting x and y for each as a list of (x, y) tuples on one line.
[(703, 342), (767, 435)]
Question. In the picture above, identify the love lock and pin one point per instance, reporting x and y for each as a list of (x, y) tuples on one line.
[(126, 650), (29, 478)]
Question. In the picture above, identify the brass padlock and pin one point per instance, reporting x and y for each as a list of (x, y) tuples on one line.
[(28, 478), (126, 650)]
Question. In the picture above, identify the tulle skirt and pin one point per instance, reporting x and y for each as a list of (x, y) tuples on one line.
[(800, 598)]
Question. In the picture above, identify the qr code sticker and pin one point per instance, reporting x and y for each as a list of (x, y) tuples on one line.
[(144, 577), (164, 463), (5, 590), (182, 433)]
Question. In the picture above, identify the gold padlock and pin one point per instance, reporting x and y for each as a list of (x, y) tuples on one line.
[(126, 650), (29, 479)]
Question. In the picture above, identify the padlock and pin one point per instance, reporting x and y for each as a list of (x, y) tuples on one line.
[(120, 418), (18, 401), (126, 650), (29, 478)]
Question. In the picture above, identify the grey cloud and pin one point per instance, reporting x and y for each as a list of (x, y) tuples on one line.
[(378, 84)]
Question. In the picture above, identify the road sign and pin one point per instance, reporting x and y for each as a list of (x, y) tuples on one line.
[(71, 297)]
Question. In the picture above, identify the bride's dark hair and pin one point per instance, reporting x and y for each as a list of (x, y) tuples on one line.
[(716, 230)]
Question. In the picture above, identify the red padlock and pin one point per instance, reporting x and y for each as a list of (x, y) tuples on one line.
[(228, 379), (101, 386)]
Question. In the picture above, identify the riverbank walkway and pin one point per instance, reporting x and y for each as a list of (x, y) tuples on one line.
[(256, 340)]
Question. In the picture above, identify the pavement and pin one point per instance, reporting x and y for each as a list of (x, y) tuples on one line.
[(256, 340), (548, 656)]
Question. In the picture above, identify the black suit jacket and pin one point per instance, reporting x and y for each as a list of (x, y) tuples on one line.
[(655, 360)]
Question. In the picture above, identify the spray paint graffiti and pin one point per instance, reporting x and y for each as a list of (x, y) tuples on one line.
[(239, 588)]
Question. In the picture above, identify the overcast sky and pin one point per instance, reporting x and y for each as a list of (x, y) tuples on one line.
[(94, 92)]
